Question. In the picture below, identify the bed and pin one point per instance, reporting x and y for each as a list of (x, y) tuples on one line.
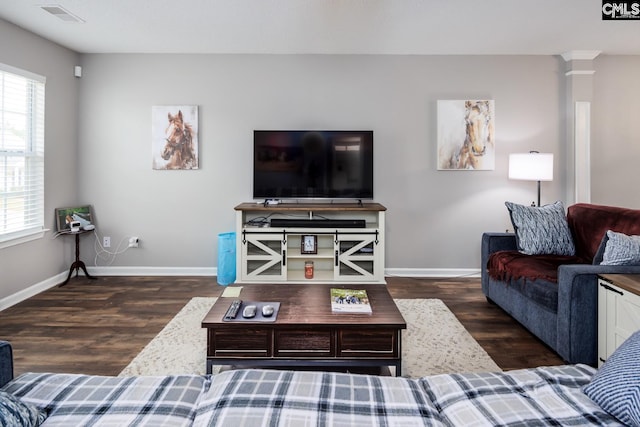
[(553, 395)]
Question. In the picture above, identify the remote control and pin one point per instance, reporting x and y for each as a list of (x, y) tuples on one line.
[(232, 311)]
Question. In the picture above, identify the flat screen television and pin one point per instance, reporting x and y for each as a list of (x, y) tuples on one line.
[(312, 164)]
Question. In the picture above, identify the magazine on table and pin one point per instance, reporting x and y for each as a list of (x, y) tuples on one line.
[(350, 301)]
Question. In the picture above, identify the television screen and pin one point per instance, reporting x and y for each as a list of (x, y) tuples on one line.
[(312, 164)]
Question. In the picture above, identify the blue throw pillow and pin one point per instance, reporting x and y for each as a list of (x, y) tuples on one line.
[(616, 385), (621, 249), (541, 230), (14, 412)]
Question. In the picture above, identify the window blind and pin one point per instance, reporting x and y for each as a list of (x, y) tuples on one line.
[(21, 153)]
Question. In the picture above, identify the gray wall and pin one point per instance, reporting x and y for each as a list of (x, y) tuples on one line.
[(434, 219), (36, 262), (615, 145)]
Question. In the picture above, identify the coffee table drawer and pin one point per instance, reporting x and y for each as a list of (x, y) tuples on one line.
[(236, 343), (304, 343), (363, 343)]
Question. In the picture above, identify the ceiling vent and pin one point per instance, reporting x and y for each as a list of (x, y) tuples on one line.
[(60, 12)]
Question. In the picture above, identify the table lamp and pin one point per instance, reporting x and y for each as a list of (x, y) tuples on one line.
[(532, 166)]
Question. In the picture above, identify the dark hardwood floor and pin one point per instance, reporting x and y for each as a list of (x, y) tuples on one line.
[(99, 326)]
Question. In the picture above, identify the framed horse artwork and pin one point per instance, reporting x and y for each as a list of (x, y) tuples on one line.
[(466, 138), (175, 137)]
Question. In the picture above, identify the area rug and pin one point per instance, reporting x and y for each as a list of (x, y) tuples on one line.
[(435, 342)]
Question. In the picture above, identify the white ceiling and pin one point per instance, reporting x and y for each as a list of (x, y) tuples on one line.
[(538, 27)]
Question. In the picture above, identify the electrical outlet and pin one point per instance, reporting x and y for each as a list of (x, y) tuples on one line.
[(106, 242), (133, 242)]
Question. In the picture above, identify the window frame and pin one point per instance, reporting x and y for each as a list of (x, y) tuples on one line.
[(33, 155)]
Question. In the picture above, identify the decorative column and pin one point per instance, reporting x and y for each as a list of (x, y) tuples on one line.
[(579, 95)]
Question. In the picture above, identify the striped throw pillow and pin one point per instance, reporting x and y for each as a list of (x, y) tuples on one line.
[(616, 385), (541, 230)]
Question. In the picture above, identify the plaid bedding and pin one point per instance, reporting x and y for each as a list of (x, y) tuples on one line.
[(547, 396), (81, 400), (296, 399), (544, 396)]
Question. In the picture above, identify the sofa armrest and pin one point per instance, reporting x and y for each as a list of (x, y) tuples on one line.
[(6, 363), (494, 242), (578, 309)]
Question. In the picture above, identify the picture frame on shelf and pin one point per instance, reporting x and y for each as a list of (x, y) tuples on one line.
[(309, 244)]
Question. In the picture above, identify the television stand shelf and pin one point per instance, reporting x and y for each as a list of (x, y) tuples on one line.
[(351, 252)]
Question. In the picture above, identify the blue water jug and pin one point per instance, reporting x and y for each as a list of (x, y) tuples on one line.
[(226, 258)]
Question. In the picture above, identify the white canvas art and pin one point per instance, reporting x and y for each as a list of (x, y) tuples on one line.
[(466, 135), (174, 136)]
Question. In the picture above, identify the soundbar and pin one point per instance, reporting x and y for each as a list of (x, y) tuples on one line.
[(318, 223)]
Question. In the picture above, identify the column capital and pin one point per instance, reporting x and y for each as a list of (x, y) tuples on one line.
[(587, 55), (580, 62)]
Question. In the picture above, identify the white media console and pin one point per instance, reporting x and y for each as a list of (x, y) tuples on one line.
[(339, 246)]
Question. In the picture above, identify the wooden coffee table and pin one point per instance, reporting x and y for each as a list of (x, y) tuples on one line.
[(306, 332)]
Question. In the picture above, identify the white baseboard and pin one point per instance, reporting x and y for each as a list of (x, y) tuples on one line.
[(153, 271), (432, 272), (213, 271), (27, 293), (208, 271)]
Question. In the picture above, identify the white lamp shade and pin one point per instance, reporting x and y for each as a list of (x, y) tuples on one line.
[(531, 166)]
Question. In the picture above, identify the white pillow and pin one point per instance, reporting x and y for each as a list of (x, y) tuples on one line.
[(621, 249)]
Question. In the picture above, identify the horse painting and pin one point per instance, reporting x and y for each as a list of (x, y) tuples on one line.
[(466, 135), (179, 151), (175, 138)]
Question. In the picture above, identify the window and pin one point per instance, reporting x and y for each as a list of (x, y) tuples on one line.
[(21, 155)]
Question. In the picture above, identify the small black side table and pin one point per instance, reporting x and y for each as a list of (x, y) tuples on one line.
[(77, 264)]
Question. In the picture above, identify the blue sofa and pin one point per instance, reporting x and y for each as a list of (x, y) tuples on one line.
[(555, 297), (6, 363)]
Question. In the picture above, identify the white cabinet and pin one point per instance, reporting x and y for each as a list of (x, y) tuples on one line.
[(356, 257), (618, 311), (341, 254), (263, 257)]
